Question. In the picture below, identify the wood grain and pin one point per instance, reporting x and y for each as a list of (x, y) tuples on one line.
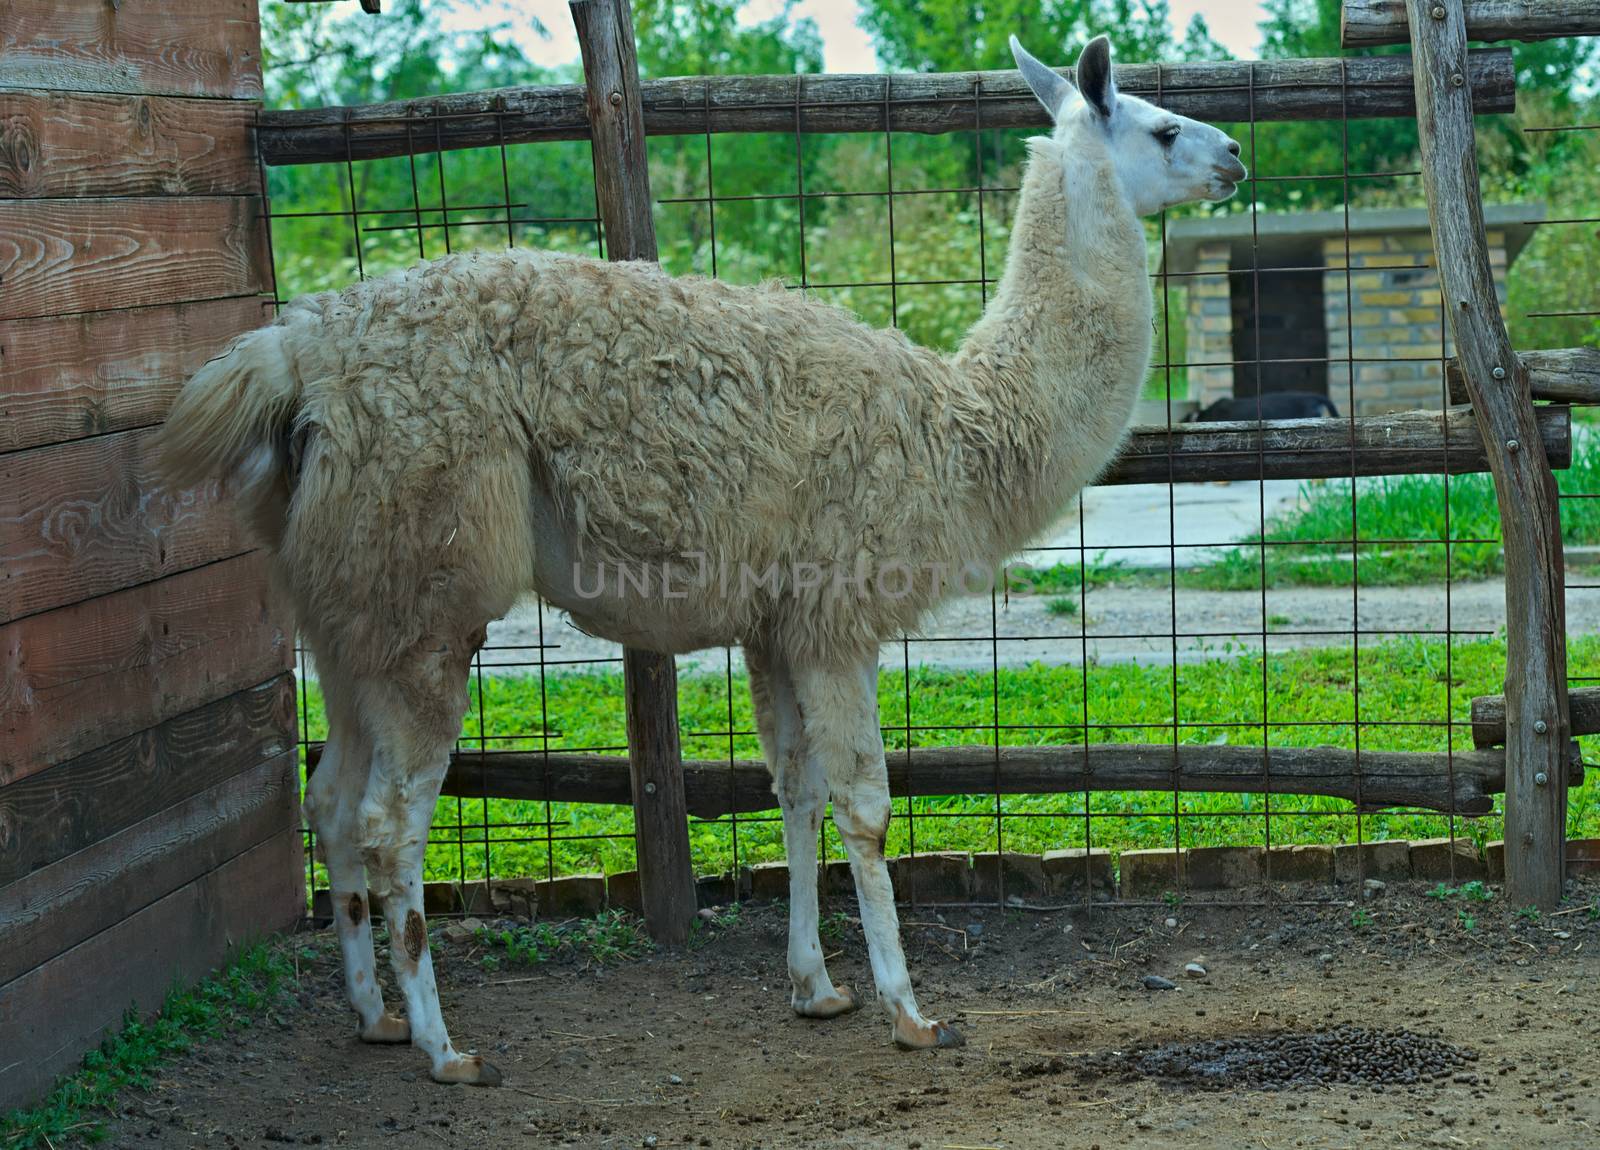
[(55, 908), (1489, 716), (92, 144), (167, 47), (98, 372), (72, 805), (650, 680), (1564, 375), (1368, 23), (55, 1012), (1461, 782), (1404, 443), (62, 256), (1537, 728), (1229, 92), (85, 518), (83, 676)]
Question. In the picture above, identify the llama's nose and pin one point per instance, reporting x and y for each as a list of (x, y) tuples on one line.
[(1233, 146)]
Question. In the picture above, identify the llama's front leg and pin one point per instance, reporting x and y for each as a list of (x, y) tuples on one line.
[(843, 738), (801, 794), (395, 817)]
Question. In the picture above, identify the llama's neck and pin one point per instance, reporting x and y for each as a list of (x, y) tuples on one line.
[(1060, 354)]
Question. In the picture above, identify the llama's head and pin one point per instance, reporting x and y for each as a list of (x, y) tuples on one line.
[(1162, 159)]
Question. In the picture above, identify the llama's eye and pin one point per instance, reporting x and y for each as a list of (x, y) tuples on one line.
[(1169, 135)]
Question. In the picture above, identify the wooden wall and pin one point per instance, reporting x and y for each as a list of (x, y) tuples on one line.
[(148, 793)]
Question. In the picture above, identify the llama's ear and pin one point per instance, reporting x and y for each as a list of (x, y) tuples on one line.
[(1048, 85), (1094, 76)]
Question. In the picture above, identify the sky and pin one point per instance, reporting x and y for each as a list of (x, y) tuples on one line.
[(846, 48)]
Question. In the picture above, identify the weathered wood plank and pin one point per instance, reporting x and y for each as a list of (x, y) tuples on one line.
[(74, 804), (55, 908), (99, 372), (1462, 782), (1363, 87), (83, 676), (1537, 728), (1368, 23), (1489, 716), (1565, 375), (61, 256), (94, 144), (55, 1012), (622, 189), (85, 518), (1405, 443), (167, 47)]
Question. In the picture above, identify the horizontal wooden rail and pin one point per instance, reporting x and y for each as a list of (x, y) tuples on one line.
[(1463, 782), (1489, 716), (1368, 23), (1406, 443), (1565, 375), (1229, 91)]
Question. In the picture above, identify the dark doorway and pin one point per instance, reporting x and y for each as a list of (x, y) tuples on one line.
[(1280, 333)]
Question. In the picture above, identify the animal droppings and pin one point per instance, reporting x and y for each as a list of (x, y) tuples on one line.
[(1351, 1055)]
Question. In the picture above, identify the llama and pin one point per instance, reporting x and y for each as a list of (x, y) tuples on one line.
[(420, 450)]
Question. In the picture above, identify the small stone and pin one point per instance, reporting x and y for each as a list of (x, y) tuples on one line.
[(1172, 924), (649, 1140), (472, 925), (1156, 982), (1373, 887), (1194, 970), (674, 1080), (706, 915), (530, 1128), (974, 929), (456, 932)]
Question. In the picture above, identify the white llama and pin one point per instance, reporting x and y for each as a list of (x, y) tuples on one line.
[(420, 450)]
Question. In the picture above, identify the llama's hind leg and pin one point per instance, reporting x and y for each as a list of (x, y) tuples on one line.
[(414, 719), (801, 792), (333, 798), (845, 742)]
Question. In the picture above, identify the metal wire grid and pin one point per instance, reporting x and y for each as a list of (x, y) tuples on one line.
[(1581, 229), (484, 831)]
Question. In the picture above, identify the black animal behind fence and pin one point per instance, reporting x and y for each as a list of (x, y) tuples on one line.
[(1176, 666)]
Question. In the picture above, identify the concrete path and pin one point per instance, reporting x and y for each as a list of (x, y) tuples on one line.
[(1116, 624)]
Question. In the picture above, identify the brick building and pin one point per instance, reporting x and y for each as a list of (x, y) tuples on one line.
[(1314, 323)]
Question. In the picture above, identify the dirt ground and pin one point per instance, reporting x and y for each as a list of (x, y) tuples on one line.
[(699, 1047)]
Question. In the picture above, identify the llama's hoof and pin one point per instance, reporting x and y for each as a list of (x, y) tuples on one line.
[(386, 1030), (842, 1001), (929, 1036), (472, 1070)]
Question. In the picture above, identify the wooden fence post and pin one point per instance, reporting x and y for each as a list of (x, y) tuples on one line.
[(1537, 727), (622, 185)]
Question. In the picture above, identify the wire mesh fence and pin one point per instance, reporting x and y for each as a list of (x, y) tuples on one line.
[(1350, 610)]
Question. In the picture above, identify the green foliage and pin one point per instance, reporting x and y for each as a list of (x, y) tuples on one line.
[(1061, 605), (233, 998), (1360, 919), (1466, 920), (611, 936), (1529, 913), (1474, 891)]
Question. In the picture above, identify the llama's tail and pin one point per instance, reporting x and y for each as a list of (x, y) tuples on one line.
[(232, 421)]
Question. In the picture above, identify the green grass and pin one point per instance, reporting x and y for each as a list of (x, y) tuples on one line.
[(235, 997), (612, 936), (1404, 507), (1387, 511), (1218, 700)]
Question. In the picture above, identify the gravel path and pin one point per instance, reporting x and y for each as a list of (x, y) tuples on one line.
[(1118, 624)]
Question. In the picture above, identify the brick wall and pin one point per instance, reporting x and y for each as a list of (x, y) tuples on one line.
[(1387, 319), (1210, 325)]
